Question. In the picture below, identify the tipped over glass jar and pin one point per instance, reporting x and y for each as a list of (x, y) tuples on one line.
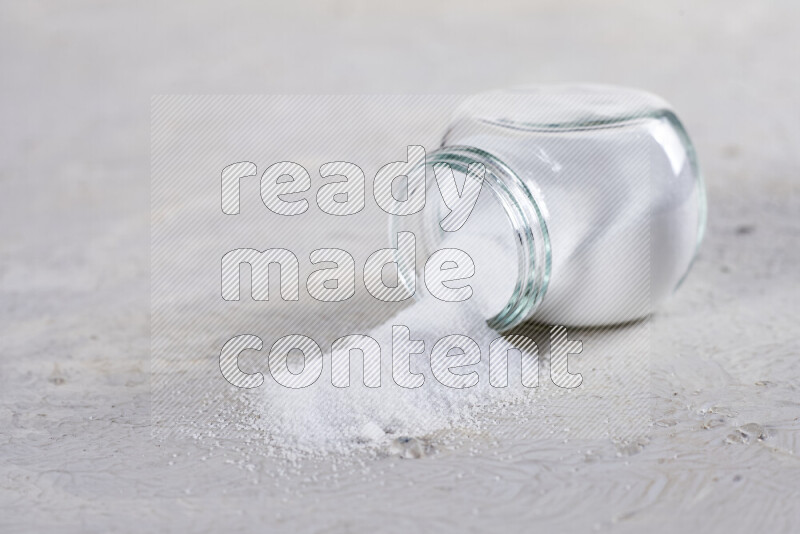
[(592, 206)]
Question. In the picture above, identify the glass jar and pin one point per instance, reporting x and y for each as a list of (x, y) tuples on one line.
[(596, 205)]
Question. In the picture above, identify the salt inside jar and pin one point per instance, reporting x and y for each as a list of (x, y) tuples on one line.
[(592, 206)]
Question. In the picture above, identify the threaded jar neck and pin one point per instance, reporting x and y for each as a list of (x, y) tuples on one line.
[(526, 214)]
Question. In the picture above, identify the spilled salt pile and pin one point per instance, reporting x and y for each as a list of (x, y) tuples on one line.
[(328, 418), (325, 417), (331, 418)]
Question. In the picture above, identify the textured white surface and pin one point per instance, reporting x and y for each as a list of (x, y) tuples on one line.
[(75, 452)]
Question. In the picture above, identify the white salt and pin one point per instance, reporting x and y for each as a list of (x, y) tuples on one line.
[(614, 199), (323, 417)]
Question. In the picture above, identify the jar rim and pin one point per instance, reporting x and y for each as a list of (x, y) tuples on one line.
[(526, 215)]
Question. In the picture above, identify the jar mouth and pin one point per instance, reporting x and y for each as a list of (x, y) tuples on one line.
[(526, 215)]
